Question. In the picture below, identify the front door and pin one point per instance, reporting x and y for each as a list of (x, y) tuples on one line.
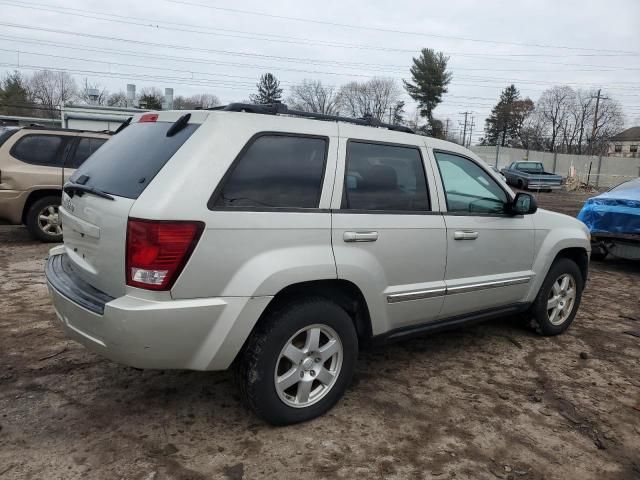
[(489, 252), (386, 238)]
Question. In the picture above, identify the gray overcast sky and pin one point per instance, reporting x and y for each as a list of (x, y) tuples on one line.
[(222, 48)]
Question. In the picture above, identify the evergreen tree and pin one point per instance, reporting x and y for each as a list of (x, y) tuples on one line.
[(398, 113), (269, 90), (151, 98), (506, 119), (430, 79), (14, 96)]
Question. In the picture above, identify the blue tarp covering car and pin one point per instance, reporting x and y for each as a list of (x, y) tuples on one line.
[(613, 218), (615, 211)]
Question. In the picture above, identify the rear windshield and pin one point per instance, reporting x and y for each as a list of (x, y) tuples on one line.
[(531, 167), (127, 163)]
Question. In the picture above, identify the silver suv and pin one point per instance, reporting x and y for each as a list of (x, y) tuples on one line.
[(253, 237)]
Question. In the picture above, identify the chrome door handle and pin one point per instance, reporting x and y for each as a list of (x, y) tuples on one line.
[(465, 235), (360, 236)]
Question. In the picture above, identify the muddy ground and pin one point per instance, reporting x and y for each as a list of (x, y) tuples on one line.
[(491, 401)]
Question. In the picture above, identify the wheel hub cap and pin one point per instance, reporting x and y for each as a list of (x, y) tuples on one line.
[(307, 363)]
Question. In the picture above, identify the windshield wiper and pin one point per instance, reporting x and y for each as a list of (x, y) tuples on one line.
[(124, 125), (72, 189)]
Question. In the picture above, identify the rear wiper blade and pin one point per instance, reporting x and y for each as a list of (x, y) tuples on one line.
[(72, 189), (179, 124), (124, 125)]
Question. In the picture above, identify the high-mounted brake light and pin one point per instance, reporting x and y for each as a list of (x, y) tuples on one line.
[(157, 251), (148, 117)]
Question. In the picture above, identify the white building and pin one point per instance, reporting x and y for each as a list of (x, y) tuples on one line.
[(94, 117), (625, 144)]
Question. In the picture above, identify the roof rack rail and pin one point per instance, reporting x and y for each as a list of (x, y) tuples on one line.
[(38, 126), (282, 109)]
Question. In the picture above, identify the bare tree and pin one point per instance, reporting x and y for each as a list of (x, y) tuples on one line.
[(554, 106), (312, 96), (532, 131), (93, 93), (202, 100), (52, 89), (609, 122), (117, 99), (376, 98)]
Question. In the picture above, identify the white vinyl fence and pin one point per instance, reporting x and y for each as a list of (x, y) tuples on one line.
[(601, 172)]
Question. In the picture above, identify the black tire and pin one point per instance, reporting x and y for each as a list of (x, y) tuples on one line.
[(520, 184), (33, 223), (539, 310), (257, 364)]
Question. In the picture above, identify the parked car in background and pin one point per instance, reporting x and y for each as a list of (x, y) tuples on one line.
[(531, 175), (613, 219), (34, 164), (280, 244)]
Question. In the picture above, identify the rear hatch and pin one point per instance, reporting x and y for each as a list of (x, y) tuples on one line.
[(97, 199)]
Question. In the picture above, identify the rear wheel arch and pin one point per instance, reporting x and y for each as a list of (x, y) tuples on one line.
[(36, 195), (342, 292)]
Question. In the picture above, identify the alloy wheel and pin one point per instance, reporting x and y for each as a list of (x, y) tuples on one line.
[(49, 220), (308, 365), (561, 300)]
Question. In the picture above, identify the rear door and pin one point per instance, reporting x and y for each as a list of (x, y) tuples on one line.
[(489, 252), (388, 237), (95, 227)]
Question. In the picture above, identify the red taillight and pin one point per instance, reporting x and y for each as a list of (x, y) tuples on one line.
[(148, 117), (158, 250)]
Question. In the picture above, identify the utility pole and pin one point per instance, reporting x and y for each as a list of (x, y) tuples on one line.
[(471, 131), (595, 121), (464, 132), (446, 130)]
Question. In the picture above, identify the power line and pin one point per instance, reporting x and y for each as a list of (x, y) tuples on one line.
[(156, 24), (293, 59), (404, 32), (322, 72)]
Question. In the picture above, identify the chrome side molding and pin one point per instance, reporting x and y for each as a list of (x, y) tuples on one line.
[(440, 291)]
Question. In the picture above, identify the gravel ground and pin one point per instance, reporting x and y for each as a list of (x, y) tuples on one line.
[(490, 401)]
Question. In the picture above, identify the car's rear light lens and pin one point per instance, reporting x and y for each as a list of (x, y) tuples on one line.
[(148, 117), (158, 250)]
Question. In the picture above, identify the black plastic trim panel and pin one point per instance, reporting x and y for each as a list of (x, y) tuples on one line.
[(449, 323), (61, 276)]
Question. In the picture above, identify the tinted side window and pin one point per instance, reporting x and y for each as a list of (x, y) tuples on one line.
[(276, 171), (41, 149), (86, 146), (384, 177), (468, 188)]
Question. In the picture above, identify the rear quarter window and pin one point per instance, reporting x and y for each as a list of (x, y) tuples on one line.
[(275, 171), (5, 133), (129, 161)]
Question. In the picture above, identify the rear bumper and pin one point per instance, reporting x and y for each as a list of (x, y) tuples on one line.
[(194, 334), (11, 205)]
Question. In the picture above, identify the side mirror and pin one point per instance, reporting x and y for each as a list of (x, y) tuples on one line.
[(523, 204)]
